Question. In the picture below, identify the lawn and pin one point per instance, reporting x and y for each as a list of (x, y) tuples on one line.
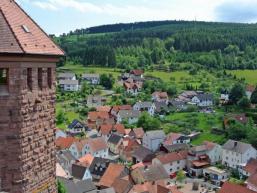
[(79, 69), (191, 121), (249, 75), (166, 76)]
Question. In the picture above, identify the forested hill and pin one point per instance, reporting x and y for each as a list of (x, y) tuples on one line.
[(168, 44)]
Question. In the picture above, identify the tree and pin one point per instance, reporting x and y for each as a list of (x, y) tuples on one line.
[(244, 103), (60, 118), (61, 187), (107, 81), (236, 93), (148, 123), (237, 131), (254, 96), (180, 176), (252, 137)]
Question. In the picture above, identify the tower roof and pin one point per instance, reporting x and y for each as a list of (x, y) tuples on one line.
[(19, 34)]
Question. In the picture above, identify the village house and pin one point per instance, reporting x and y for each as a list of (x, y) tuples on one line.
[(148, 107), (160, 97), (60, 133), (161, 108), (231, 118), (133, 88), (117, 177), (174, 148), (177, 105), (203, 100), (252, 182), (81, 171), (69, 85), (224, 97), (76, 148), (114, 142), (236, 154), (250, 168), (96, 119), (76, 127), (229, 187), (106, 130), (172, 162), (66, 76), (137, 133), (187, 96), (137, 73), (215, 175), (63, 143), (249, 91), (96, 147), (98, 167), (142, 154), (103, 109), (176, 138), (149, 173), (116, 109), (153, 139), (131, 116), (65, 159), (127, 147), (93, 79), (95, 101)]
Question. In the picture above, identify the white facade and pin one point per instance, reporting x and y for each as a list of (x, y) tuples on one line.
[(216, 175), (202, 103), (153, 142), (60, 133), (249, 94), (234, 159), (132, 91), (75, 152), (71, 87), (215, 154), (173, 166), (103, 153), (150, 110)]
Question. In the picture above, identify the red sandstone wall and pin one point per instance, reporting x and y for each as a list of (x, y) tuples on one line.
[(27, 122)]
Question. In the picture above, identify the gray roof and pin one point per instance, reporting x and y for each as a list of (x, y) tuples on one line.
[(78, 171), (205, 97), (154, 173), (144, 104), (237, 146), (129, 114), (142, 153), (161, 106), (90, 76), (155, 134), (176, 147), (114, 139), (73, 186), (66, 155), (69, 82), (66, 75)]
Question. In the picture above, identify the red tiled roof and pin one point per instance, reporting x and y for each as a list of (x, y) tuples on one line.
[(103, 109), (251, 166), (108, 128), (113, 171), (86, 159), (252, 180), (64, 143), (234, 188), (97, 144), (172, 157), (21, 35), (80, 144), (209, 145), (121, 107), (139, 132), (171, 137), (137, 72), (128, 85), (250, 88), (162, 95), (98, 115)]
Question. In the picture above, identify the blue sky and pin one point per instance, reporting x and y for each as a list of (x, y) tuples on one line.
[(59, 16)]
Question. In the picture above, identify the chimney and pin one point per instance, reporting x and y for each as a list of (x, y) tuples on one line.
[(235, 143)]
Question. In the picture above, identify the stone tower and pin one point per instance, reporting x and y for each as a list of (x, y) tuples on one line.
[(27, 103)]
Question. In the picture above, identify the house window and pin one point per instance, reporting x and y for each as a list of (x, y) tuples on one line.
[(40, 78), (3, 81), (29, 78), (49, 77)]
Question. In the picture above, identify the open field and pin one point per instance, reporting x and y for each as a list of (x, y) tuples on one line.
[(187, 122), (249, 75)]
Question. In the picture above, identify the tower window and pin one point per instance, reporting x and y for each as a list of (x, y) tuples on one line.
[(49, 77), (29, 78), (40, 78)]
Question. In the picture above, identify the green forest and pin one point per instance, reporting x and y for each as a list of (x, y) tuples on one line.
[(168, 45)]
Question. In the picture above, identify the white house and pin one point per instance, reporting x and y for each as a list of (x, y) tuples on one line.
[(176, 138), (131, 116), (249, 91), (172, 162), (77, 147), (66, 76), (153, 139), (93, 79), (69, 85), (97, 147), (214, 152), (76, 127), (236, 154), (81, 171), (203, 100), (133, 88), (216, 175), (60, 133), (145, 107)]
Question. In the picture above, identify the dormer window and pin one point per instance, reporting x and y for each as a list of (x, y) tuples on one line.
[(25, 28)]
